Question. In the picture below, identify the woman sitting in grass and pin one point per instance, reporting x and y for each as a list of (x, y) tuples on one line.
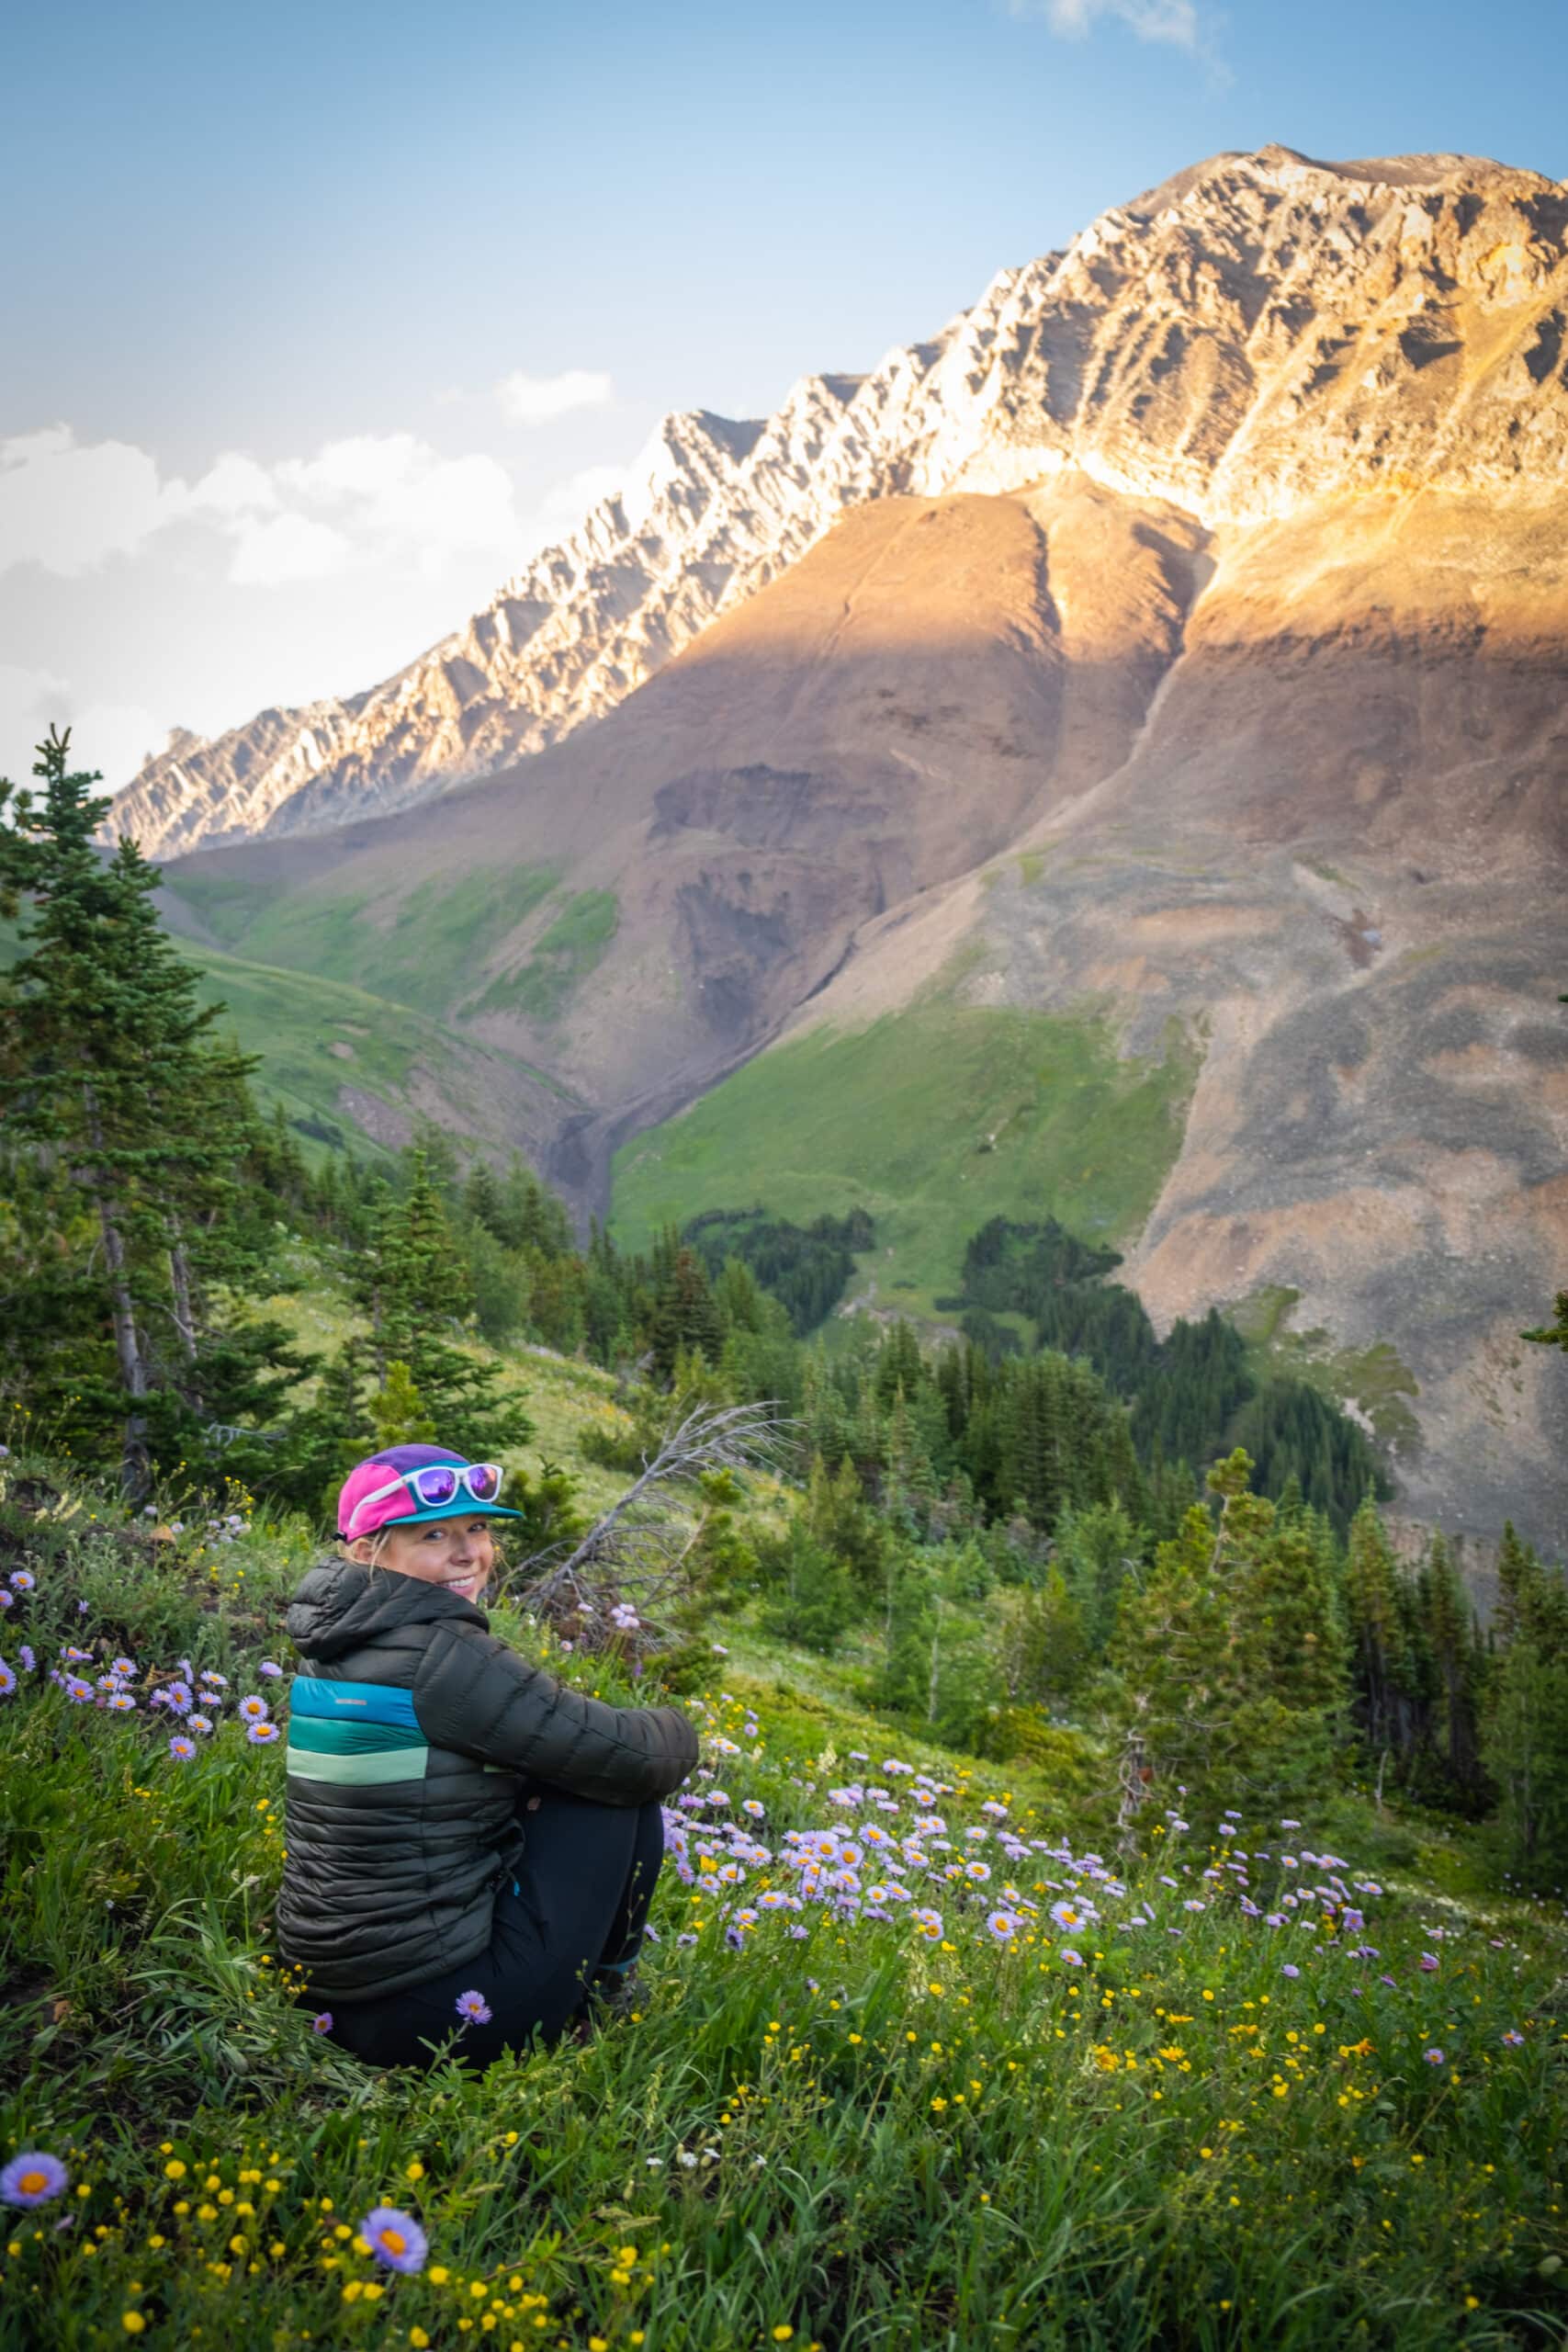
[(470, 1844)]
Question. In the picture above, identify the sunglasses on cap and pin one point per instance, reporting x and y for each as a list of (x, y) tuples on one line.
[(434, 1483)]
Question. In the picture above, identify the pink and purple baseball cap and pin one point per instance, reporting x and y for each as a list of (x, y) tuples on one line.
[(405, 1486)]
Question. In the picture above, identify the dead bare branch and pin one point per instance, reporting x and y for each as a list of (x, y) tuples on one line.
[(642, 1542)]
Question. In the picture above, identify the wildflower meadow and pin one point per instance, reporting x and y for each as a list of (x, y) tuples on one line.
[(916, 2059)]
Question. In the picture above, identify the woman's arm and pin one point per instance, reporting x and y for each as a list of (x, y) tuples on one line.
[(476, 1694)]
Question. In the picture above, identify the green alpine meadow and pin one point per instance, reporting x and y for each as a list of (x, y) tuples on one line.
[(1119, 1900), (1260, 2076)]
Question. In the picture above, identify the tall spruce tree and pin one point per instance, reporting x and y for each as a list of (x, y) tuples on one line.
[(119, 1102), (1230, 1654), (411, 1283), (1525, 1734)]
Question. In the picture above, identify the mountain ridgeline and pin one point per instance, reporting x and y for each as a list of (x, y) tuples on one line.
[(1109, 754)]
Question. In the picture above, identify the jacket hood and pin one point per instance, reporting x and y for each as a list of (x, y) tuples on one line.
[(341, 1604)]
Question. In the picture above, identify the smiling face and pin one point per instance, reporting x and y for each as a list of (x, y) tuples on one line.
[(457, 1553)]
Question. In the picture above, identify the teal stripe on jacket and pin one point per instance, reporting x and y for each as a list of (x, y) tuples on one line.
[(374, 1702), (362, 1771), (328, 1737)]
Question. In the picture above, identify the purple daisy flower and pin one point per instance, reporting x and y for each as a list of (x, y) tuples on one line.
[(1514, 2041), (28, 1661), (8, 1680), (181, 1748), (733, 1939), (179, 1696), (268, 1667), (22, 1580), (473, 2008), (395, 2238), (1073, 1959), (218, 1682), (687, 1939), (198, 1723), (1003, 1925), (32, 2179), (1289, 1969), (263, 1734), (254, 1709), (321, 2022), (75, 1689), (1434, 2057), (1428, 1964), (120, 1703)]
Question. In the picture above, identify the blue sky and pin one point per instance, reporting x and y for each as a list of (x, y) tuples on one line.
[(319, 319)]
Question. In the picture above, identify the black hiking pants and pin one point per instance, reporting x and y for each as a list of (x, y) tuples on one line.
[(569, 1922)]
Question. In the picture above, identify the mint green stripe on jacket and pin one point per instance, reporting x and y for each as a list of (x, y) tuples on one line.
[(360, 1771), (327, 1737)]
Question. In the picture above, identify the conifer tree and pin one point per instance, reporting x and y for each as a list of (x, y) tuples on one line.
[(684, 1314), (1448, 1619), (1526, 1726), (908, 1629), (109, 1072), (1098, 1548), (1230, 1653), (1377, 1635), (411, 1283)]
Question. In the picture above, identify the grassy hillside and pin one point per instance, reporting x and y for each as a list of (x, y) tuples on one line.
[(318, 1036), (423, 954), (934, 1119), (1035, 2105)]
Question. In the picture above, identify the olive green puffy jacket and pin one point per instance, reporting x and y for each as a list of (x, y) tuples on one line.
[(410, 1730)]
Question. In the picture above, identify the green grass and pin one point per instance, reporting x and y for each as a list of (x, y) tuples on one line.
[(934, 1119), (421, 949), (1102, 2136), (294, 1021), (1375, 1378), (561, 960)]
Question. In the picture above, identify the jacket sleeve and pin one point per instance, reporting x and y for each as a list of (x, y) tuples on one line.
[(477, 1695)]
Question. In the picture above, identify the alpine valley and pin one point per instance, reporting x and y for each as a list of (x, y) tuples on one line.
[(1108, 762)]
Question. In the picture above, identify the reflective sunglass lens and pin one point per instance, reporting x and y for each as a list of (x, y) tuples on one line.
[(484, 1480), (435, 1484)]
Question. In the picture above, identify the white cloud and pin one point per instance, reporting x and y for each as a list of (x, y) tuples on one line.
[(288, 546), (29, 700), (384, 499), (235, 485), (540, 400), (112, 737), (69, 507), (388, 497), (1174, 22)]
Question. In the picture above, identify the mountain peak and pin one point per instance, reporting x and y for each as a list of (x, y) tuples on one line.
[(1256, 331)]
